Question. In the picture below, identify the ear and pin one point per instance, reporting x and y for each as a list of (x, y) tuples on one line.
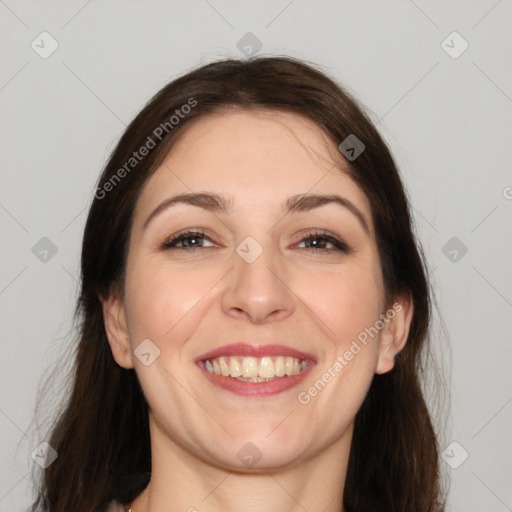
[(116, 327), (397, 322)]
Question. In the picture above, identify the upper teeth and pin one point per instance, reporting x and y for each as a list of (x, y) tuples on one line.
[(249, 367)]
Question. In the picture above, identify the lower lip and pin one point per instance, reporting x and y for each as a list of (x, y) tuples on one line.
[(257, 389)]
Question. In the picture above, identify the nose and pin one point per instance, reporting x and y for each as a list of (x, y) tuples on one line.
[(258, 290)]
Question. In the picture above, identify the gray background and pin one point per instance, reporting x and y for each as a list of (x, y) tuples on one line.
[(447, 120)]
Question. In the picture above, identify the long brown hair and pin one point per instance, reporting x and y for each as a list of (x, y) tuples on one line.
[(101, 434)]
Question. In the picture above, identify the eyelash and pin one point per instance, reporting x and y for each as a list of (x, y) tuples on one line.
[(319, 235)]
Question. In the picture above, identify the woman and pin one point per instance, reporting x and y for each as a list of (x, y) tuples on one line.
[(253, 310)]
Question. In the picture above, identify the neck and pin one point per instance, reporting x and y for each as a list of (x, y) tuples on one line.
[(189, 484)]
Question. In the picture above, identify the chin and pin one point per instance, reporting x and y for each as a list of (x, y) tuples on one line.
[(257, 450)]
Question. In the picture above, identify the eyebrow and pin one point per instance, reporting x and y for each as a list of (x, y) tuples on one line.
[(219, 203)]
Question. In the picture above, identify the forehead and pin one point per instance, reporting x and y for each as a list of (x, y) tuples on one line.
[(257, 157), (258, 136)]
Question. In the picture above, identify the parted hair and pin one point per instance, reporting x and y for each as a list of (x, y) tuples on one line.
[(101, 434)]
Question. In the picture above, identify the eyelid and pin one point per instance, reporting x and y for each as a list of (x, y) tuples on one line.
[(330, 237), (186, 233), (339, 244)]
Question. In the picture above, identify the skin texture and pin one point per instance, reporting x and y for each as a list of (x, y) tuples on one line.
[(191, 301)]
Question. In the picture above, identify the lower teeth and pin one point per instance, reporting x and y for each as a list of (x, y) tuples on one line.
[(255, 379)]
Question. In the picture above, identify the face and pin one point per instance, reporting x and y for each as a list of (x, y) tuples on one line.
[(245, 308)]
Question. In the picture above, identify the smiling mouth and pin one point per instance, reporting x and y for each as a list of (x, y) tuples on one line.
[(255, 369)]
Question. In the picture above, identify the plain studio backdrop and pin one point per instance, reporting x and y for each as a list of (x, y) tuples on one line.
[(436, 78)]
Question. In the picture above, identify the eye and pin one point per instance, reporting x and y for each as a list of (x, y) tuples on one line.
[(318, 242), (187, 240), (314, 242)]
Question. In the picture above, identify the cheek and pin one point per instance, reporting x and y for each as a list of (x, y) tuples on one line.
[(349, 303), (346, 301), (166, 303), (162, 303)]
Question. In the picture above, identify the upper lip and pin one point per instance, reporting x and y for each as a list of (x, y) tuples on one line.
[(244, 349)]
